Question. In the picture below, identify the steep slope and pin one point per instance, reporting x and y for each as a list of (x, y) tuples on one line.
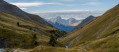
[(100, 33), (85, 21), (9, 8), (19, 29)]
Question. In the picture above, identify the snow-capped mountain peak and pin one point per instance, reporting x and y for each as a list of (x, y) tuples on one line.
[(72, 20), (63, 24)]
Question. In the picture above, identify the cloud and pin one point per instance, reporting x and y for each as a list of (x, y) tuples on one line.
[(33, 4), (60, 11), (92, 3), (23, 8)]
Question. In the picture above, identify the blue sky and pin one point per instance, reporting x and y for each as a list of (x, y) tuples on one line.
[(37, 6)]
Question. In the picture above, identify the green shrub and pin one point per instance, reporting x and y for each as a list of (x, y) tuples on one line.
[(52, 40)]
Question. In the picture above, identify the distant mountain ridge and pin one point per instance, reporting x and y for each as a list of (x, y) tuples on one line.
[(62, 27), (85, 21), (75, 14), (69, 24), (62, 24)]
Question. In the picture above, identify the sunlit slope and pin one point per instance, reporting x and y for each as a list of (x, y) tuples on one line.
[(103, 26)]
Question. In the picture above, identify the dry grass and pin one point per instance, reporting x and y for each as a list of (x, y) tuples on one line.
[(53, 49), (99, 35), (23, 34)]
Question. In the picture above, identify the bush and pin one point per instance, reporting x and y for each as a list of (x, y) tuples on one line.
[(52, 40), (18, 24)]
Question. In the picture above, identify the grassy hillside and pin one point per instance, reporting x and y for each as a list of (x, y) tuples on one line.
[(101, 29), (31, 31), (18, 32), (19, 29)]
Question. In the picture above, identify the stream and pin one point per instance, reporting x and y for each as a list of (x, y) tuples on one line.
[(67, 47), (2, 50)]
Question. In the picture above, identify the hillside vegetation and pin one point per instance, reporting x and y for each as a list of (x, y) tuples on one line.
[(23, 35), (19, 29), (22, 30), (101, 33)]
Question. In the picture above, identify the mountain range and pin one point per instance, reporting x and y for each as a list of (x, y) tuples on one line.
[(64, 25), (64, 22), (69, 24), (79, 15), (24, 32)]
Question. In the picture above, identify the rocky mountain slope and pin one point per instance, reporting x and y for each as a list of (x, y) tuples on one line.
[(19, 29)]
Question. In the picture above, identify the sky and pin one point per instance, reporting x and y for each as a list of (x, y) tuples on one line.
[(38, 6)]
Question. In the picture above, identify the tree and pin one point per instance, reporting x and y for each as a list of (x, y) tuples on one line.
[(18, 24), (34, 36), (52, 40), (35, 43)]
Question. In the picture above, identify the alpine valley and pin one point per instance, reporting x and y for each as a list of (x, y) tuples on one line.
[(24, 32)]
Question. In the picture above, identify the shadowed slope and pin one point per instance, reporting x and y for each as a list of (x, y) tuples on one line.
[(23, 30)]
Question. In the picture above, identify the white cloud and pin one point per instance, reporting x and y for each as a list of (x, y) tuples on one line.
[(78, 14), (92, 3), (23, 8), (60, 11), (33, 4)]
